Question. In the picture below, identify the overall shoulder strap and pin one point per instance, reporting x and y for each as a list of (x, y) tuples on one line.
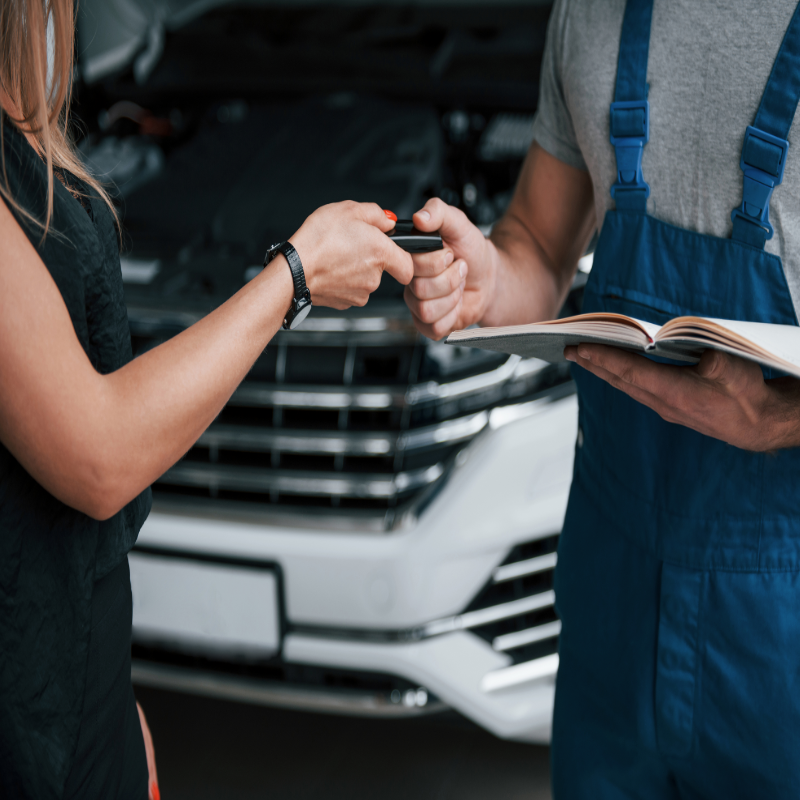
[(630, 111), (765, 141)]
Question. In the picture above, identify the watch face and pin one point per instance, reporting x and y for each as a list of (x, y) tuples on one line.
[(271, 250), (300, 316)]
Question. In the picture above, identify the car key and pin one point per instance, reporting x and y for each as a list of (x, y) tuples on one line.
[(405, 235)]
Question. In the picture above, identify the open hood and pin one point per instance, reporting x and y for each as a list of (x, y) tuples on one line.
[(114, 34)]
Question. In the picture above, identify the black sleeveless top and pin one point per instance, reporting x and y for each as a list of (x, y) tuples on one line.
[(50, 554)]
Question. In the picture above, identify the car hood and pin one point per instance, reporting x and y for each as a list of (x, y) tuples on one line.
[(113, 34)]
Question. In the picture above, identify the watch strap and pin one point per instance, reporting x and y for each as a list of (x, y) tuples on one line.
[(296, 268)]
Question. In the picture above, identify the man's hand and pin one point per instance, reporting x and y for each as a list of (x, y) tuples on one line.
[(451, 287), (723, 396), (523, 272)]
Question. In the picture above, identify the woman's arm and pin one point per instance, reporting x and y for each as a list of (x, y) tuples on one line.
[(94, 441)]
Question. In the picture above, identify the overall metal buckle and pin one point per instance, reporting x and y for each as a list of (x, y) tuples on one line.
[(763, 162)]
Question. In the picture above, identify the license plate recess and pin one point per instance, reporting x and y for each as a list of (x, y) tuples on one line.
[(205, 605)]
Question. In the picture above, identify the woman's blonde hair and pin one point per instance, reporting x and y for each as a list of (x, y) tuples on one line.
[(41, 101)]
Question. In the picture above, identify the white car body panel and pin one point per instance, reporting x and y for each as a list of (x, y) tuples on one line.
[(508, 486)]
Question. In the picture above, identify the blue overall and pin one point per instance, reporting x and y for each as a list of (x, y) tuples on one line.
[(678, 582)]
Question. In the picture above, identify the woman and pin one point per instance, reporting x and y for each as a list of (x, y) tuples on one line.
[(84, 430)]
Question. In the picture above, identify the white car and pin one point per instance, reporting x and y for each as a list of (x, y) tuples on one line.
[(370, 526)]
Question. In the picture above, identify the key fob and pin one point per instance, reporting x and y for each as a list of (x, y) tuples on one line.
[(405, 235)]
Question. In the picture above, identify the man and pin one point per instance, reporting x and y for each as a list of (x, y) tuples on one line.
[(678, 581)]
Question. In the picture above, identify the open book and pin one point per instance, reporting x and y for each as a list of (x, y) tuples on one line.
[(681, 339)]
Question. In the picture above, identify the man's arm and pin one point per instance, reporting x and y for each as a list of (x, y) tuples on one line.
[(523, 272)]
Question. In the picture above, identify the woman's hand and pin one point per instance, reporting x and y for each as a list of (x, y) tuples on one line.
[(154, 793), (96, 441), (345, 251), (451, 287)]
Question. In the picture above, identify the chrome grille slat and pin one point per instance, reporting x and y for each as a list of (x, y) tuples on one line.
[(268, 395), (317, 328), (250, 438), (530, 566), (446, 391), (448, 432), (253, 439), (522, 584), (318, 484), (484, 616), (472, 619), (509, 641), (355, 324), (264, 395)]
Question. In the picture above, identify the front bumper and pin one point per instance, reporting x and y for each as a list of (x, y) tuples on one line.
[(370, 601)]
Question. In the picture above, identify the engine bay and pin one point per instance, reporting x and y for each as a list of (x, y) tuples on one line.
[(250, 118)]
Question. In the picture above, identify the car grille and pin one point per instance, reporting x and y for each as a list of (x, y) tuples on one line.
[(515, 611), (347, 413)]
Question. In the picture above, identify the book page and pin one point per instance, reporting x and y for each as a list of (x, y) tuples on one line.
[(776, 346), (547, 340), (610, 326)]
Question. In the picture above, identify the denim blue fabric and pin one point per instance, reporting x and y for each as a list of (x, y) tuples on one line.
[(782, 93), (678, 580), (633, 51)]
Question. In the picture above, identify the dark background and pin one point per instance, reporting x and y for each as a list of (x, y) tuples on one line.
[(213, 749)]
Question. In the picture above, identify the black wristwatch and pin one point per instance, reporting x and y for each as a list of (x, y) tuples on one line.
[(301, 302)]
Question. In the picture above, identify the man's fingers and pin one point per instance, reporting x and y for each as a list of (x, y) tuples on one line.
[(399, 264), (672, 383), (440, 328), (728, 371), (636, 375), (634, 391), (675, 393), (427, 265), (711, 366), (724, 396), (662, 380), (437, 215), (431, 311), (431, 216), (442, 285)]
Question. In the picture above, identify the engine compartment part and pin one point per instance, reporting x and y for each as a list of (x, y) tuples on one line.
[(251, 174), (125, 163), (507, 136), (242, 96)]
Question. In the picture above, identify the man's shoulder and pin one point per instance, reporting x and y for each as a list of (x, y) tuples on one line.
[(593, 17)]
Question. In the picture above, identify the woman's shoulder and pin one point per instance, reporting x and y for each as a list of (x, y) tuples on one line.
[(23, 174), (80, 248), (13, 138), (72, 234)]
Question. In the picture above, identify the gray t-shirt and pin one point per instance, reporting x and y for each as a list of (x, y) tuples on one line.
[(708, 66)]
